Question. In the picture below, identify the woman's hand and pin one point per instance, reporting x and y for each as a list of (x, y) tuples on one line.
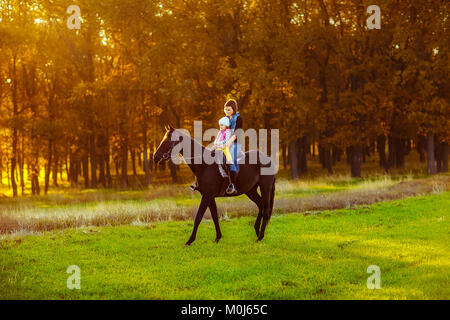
[(231, 140)]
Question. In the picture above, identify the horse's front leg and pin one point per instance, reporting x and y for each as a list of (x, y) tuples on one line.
[(215, 216), (206, 199)]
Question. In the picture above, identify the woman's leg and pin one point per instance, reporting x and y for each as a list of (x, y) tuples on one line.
[(233, 169)]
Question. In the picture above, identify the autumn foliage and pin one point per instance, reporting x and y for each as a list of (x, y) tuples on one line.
[(89, 100)]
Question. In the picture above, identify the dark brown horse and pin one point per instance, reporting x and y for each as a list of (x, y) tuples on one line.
[(212, 185)]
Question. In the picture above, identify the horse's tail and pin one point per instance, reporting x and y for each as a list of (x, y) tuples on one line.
[(272, 197)]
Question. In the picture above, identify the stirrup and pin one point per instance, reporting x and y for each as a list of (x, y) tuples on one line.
[(193, 186), (231, 189)]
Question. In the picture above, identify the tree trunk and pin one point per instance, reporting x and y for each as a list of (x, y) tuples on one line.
[(71, 169), (327, 161), (67, 165), (124, 162), (155, 166), (445, 157), (438, 156), (145, 152), (139, 158), (321, 157), (14, 131), (173, 171), (133, 161), (431, 167), (49, 165), (392, 160), (302, 151), (102, 147), (356, 160), (421, 147), (348, 154), (381, 148), (86, 170), (93, 157), (292, 153), (116, 166), (101, 177), (21, 164), (108, 167), (35, 188), (13, 162), (56, 165), (400, 152)]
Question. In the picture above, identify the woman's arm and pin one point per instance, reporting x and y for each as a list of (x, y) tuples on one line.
[(230, 141), (238, 123), (238, 126)]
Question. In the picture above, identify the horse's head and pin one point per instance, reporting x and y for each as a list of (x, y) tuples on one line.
[(164, 150)]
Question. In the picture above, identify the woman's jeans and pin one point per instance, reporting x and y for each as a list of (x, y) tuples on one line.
[(234, 150)]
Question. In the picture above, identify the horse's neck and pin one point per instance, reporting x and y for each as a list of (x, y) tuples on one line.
[(195, 168)]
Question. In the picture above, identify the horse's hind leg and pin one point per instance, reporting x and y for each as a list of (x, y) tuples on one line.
[(256, 198), (215, 216), (266, 194)]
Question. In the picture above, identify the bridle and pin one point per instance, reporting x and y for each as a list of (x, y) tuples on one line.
[(166, 155)]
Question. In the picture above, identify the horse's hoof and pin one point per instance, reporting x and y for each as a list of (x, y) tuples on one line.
[(187, 244), (217, 240)]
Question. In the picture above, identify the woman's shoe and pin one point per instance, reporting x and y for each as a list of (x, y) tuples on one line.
[(231, 188)]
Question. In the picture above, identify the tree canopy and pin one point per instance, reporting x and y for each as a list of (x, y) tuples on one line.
[(81, 99)]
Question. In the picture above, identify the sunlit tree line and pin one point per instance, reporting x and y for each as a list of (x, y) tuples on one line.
[(87, 103)]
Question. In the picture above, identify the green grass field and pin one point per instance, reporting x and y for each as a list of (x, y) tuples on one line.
[(323, 255)]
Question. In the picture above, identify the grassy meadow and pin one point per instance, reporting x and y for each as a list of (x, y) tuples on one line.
[(324, 233), (316, 255)]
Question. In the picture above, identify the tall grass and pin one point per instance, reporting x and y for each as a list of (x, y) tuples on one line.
[(80, 209)]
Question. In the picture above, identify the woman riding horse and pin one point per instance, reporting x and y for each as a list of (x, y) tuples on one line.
[(231, 111)]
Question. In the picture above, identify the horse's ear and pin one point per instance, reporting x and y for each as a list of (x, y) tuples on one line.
[(166, 128), (170, 128)]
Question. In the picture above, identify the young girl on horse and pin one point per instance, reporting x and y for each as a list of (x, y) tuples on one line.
[(223, 143)]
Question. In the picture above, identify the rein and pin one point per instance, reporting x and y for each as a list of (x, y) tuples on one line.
[(167, 154)]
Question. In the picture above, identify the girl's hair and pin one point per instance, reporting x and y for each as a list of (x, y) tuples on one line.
[(233, 104)]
